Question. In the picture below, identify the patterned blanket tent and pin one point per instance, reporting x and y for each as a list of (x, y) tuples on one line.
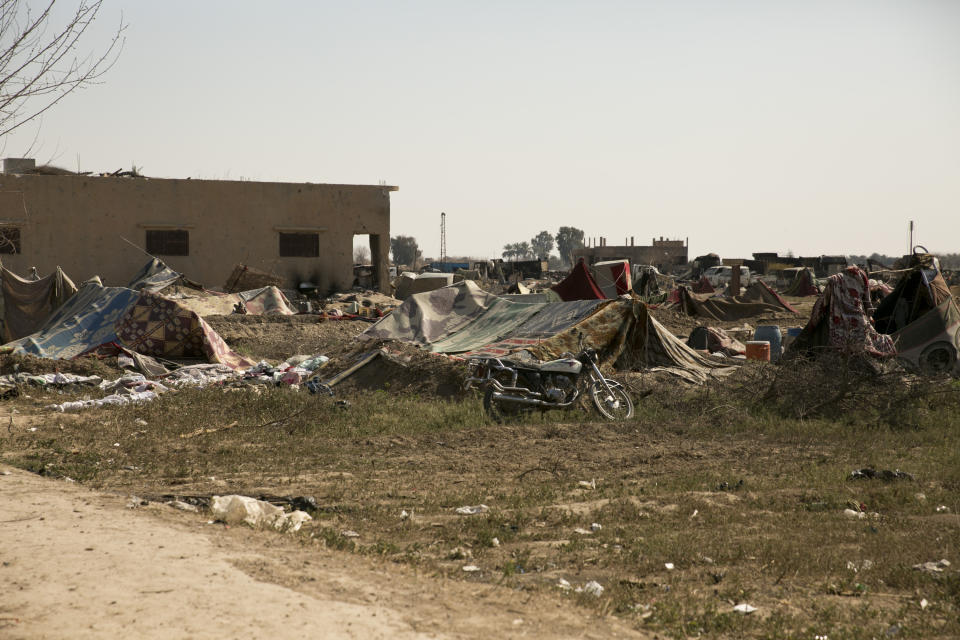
[(98, 319), (841, 319)]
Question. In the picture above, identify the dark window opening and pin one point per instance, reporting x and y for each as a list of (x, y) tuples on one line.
[(299, 245), (9, 240), (168, 242)]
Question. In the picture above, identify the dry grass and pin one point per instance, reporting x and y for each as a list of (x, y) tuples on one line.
[(742, 496)]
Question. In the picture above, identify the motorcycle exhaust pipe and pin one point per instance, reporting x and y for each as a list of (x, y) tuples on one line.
[(532, 402)]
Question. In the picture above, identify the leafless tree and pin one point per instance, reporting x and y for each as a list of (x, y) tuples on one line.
[(361, 254), (43, 59)]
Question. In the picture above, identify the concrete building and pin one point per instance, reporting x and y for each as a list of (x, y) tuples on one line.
[(203, 228), (661, 253)]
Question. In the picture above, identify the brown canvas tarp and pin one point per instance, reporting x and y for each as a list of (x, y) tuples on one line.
[(28, 303), (726, 309), (803, 284)]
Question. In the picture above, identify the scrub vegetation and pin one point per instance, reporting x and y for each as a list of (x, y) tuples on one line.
[(714, 496)]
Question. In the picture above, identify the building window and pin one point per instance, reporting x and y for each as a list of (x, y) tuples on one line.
[(299, 245), (9, 239), (168, 242)]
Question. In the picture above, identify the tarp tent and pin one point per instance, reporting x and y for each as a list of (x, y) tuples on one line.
[(804, 284), (759, 291), (753, 303), (612, 277), (703, 286), (923, 320), (841, 319), (462, 319), (579, 285), (99, 318), (28, 303)]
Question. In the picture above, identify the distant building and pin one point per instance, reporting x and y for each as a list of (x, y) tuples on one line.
[(662, 253), (301, 232)]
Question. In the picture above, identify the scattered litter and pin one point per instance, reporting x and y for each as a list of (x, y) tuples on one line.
[(471, 568), (744, 608), (943, 509), (860, 515), (495, 542), (130, 467), (884, 474), (404, 515), (924, 604), (932, 567), (4, 473), (563, 584), (582, 531), (136, 503), (235, 509), (459, 553), (583, 484), (183, 506), (694, 514), (863, 566), (33, 429), (116, 444), (472, 510), (596, 526), (921, 497), (669, 566), (349, 533), (592, 588), (141, 422)]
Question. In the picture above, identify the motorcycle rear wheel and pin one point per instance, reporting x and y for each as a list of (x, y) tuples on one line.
[(616, 405)]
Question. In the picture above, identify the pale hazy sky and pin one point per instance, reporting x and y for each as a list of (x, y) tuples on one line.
[(803, 125)]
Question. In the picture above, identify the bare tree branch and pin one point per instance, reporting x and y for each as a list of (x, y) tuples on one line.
[(39, 63)]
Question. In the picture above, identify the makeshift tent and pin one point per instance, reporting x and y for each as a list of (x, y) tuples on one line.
[(725, 309), (465, 320), (841, 319), (804, 284), (28, 303), (244, 278), (103, 319), (703, 286), (924, 320), (759, 291), (155, 276), (258, 302), (612, 277), (715, 340), (579, 285), (645, 284)]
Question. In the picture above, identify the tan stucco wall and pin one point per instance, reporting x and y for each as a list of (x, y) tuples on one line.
[(79, 222)]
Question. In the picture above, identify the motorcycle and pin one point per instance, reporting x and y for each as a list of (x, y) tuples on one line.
[(510, 386)]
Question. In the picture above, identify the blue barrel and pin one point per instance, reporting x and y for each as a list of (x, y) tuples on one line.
[(771, 333), (793, 332)]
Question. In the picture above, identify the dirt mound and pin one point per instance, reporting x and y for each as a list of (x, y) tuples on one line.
[(279, 337), (400, 368), (85, 366)]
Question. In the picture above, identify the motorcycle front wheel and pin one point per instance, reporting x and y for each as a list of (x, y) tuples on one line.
[(615, 405)]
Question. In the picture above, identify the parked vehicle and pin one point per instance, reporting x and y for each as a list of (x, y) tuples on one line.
[(721, 274), (510, 386)]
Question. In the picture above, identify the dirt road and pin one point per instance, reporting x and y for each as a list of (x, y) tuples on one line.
[(75, 563)]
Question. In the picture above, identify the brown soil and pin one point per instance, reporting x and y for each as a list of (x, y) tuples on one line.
[(78, 564)]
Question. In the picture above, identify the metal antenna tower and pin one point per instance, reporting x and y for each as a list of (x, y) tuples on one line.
[(443, 237)]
